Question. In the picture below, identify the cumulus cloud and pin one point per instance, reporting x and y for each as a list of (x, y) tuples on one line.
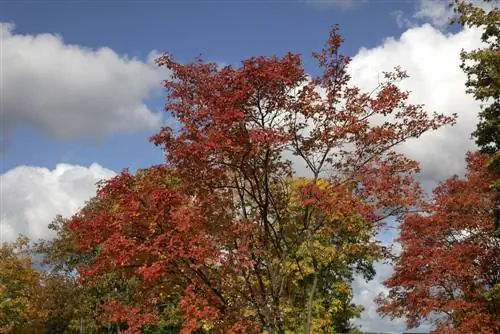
[(69, 91), (30, 197), (431, 58), (365, 293)]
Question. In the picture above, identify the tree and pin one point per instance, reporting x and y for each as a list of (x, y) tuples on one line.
[(482, 67), (74, 304), (57, 296), (449, 268), (19, 283), (225, 227)]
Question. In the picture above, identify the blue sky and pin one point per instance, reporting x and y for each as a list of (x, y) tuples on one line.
[(222, 31), (81, 95)]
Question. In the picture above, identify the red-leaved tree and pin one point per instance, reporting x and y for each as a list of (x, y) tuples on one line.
[(449, 268), (225, 226)]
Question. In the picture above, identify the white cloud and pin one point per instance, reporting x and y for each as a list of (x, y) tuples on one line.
[(439, 12), (401, 20), (69, 91), (364, 294), (30, 197), (431, 58), (436, 12)]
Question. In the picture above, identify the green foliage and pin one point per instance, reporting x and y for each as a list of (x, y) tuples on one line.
[(482, 67), (325, 260)]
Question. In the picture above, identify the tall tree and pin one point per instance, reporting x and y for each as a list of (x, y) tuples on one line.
[(449, 268), (482, 67), (227, 228)]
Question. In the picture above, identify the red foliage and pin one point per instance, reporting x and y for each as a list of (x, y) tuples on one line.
[(450, 259), (214, 235), (148, 226)]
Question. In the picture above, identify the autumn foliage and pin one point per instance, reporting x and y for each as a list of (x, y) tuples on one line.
[(19, 283), (225, 231), (449, 268)]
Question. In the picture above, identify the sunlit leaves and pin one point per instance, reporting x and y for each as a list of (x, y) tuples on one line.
[(226, 227), (449, 268)]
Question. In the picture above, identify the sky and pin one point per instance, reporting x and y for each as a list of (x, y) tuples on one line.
[(80, 94)]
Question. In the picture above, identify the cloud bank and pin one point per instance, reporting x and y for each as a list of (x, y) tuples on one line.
[(30, 197), (68, 91), (431, 58)]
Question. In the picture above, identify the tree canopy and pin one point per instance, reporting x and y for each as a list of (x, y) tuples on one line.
[(225, 231), (482, 67), (449, 268), (226, 236)]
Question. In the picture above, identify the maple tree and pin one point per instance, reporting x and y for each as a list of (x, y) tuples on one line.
[(50, 299), (76, 305), (449, 268), (60, 259), (448, 271), (224, 230)]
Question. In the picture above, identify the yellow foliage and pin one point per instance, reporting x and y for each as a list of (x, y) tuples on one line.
[(18, 284)]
